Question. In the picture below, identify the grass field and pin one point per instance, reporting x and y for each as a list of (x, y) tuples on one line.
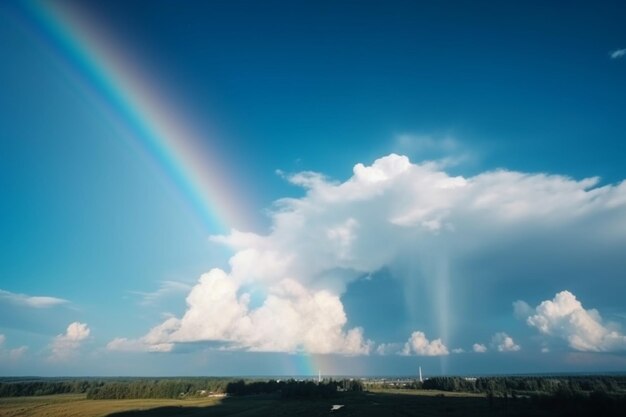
[(422, 404), (380, 403), (388, 403), (76, 405)]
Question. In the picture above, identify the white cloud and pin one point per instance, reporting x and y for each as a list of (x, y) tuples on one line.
[(291, 319), (11, 354), (458, 350), (502, 342), (65, 344), (17, 353), (166, 289), (282, 291), (618, 53), (389, 348), (419, 345), (565, 317), (31, 301), (123, 344), (151, 342), (521, 309), (444, 149), (479, 348)]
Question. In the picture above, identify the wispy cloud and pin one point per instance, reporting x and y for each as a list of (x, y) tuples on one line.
[(445, 150), (618, 53), (31, 301), (12, 354), (166, 289), (389, 349)]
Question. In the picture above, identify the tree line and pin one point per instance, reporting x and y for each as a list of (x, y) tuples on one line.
[(164, 388), (136, 388), (294, 389), (30, 388), (115, 388), (130, 388), (529, 384)]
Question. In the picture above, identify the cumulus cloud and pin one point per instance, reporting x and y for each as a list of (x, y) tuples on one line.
[(618, 53), (282, 291), (502, 342), (291, 319), (458, 350), (65, 344), (479, 348), (419, 345), (31, 301), (565, 317)]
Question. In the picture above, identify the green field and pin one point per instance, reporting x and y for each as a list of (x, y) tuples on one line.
[(76, 405), (381, 403)]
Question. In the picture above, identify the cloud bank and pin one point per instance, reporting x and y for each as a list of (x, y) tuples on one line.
[(283, 290), (564, 317)]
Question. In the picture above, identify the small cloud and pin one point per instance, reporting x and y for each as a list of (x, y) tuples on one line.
[(458, 350), (122, 344), (565, 317), (618, 53), (166, 289), (419, 345), (479, 348), (17, 353), (65, 344), (445, 150), (521, 309), (388, 349), (502, 342), (12, 354), (31, 301)]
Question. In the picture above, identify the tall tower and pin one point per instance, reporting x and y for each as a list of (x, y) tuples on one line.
[(319, 376), (421, 380)]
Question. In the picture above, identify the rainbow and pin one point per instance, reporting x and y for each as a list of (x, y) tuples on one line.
[(107, 73), (113, 80)]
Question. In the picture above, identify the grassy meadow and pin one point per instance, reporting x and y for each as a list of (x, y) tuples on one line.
[(77, 405), (380, 403)]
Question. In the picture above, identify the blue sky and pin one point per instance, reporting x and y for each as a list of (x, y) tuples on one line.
[(476, 126)]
